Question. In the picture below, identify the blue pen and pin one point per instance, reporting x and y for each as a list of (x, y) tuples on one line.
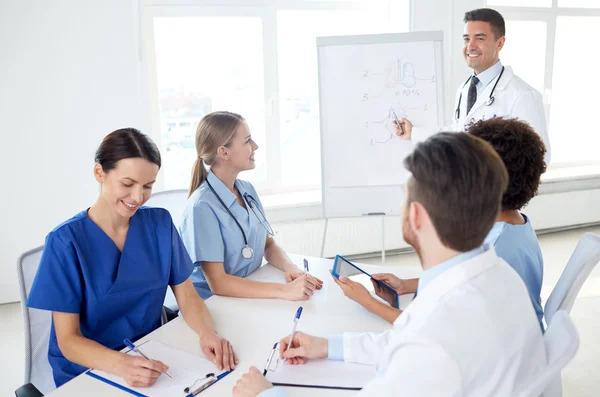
[(296, 319), (135, 349), (305, 265)]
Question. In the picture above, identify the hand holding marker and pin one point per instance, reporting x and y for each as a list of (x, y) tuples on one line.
[(397, 122)]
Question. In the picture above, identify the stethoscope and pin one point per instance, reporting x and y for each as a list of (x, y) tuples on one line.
[(490, 100), (247, 251)]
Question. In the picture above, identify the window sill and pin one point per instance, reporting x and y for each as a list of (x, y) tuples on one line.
[(306, 205), (566, 179)]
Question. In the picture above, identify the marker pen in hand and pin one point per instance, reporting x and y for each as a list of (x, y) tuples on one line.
[(398, 122)]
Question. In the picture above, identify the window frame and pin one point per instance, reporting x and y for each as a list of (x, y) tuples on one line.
[(550, 16)]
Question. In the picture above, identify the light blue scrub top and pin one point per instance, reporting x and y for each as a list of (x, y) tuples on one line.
[(518, 246), (117, 295), (211, 235)]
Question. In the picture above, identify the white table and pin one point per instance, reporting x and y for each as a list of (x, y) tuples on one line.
[(254, 325)]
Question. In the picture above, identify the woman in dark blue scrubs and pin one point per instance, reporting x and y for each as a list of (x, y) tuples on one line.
[(104, 273)]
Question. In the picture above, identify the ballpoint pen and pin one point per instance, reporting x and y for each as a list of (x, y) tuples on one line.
[(398, 122), (135, 349), (296, 319), (268, 365), (305, 265)]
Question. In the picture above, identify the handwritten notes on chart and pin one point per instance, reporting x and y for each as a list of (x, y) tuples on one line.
[(363, 89)]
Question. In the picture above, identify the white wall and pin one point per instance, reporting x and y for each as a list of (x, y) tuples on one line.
[(69, 74)]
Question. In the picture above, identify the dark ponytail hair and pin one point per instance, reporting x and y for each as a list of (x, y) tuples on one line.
[(124, 144)]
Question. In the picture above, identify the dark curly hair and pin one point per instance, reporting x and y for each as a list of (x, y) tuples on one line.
[(522, 151)]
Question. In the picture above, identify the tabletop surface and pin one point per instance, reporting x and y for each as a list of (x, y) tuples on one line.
[(254, 325)]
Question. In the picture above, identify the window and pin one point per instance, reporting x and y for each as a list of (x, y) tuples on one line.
[(579, 3), (526, 57), (521, 3), (543, 46), (205, 64), (259, 60), (573, 114), (298, 83)]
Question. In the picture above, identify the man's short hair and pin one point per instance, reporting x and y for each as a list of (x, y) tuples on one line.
[(522, 151), (459, 179), (493, 17)]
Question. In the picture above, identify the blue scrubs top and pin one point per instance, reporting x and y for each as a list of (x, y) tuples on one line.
[(210, 234), (117, 295), (519, 247)]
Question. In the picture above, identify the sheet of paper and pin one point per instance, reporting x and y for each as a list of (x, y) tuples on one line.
[(185, 368), (322, 373)]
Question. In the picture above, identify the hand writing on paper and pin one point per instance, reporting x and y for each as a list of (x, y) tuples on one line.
[(353, 290), (303, 347), (297, 273), (251, 384), (218, 350), (301, 288), (138, 371)]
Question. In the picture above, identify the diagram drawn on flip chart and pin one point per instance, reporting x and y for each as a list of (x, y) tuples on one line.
[(365, 83)]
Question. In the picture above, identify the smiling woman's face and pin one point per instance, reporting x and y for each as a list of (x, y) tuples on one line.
[(128, 186)]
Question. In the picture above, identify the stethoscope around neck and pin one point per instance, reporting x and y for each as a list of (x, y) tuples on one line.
[(490, 100), (247, 251)]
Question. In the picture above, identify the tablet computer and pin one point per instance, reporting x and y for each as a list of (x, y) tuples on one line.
[(345, 268)]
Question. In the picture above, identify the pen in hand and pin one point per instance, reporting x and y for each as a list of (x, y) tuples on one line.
[(305, 265), (398, 123), (296, 319), (130, 345)]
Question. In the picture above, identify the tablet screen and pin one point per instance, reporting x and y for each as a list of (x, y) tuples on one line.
[(342, 267), (346, 269)]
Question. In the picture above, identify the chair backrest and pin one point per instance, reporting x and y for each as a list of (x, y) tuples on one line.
[(585, 256), (171, 200), (37, 326), (561, 341)]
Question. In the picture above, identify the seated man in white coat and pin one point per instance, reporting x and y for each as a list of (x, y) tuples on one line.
[(472, 330)]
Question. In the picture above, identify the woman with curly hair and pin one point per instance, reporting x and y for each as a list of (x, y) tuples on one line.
[(522, 151), (512, 236)]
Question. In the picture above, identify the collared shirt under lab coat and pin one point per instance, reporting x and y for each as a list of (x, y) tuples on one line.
[(513, 98), (470, 332)]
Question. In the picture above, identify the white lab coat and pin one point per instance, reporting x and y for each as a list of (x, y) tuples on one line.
[(514, 98), (471, 332)]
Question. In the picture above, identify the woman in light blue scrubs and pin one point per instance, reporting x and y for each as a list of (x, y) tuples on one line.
[(224, 227), (522, 150), (104, 273)]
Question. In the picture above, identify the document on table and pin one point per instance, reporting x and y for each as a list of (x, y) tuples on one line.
[(328, 374), (186, 368)]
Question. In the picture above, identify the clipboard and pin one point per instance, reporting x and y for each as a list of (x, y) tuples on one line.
[(188, 370), (317, 374)]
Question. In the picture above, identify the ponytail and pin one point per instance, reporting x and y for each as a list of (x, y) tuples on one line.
[(199, 175), (214, 130)]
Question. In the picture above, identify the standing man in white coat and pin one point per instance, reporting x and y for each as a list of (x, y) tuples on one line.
[(493, 90), (472, 330)]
